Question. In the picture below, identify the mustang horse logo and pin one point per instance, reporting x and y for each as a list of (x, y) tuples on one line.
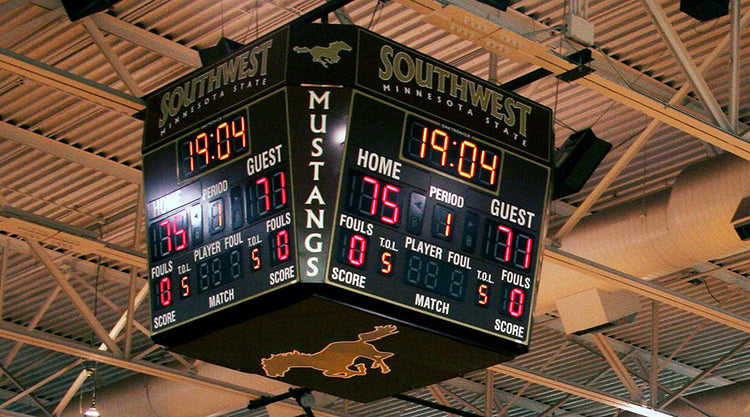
[(336, 359), (325, 55)]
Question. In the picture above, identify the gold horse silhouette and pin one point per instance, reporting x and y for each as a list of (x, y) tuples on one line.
[(336, 359), (325, 55)]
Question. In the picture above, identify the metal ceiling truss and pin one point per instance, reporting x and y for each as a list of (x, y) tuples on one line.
[(607, 347), (498, 40), (490, 35), (583, 209), (682, 57), (72, 84)]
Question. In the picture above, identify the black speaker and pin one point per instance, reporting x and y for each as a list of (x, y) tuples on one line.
[(222, 48), (704, 10), (498, 4), (77, 9), (576, 160)]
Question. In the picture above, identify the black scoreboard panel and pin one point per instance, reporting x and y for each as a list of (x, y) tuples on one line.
[(224, 223), (333, 209), (434, 218)]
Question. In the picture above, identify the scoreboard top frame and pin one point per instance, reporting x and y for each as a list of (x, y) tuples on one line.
[(349, 56)]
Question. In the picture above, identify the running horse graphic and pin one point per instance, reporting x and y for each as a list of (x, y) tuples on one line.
[(336, 359), (325, 55)]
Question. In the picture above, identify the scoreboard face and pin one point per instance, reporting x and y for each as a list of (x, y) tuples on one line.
[(226, 225), (324, 171), (439, 220)]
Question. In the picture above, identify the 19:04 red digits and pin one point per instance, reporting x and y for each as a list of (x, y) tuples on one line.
[(432, 146), (213, 145)]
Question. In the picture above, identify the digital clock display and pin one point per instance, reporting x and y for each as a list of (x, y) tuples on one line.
[(448, 151), (213, 145)]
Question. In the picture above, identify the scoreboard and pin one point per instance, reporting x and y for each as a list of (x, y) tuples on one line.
[(421, 222), (323, 188)]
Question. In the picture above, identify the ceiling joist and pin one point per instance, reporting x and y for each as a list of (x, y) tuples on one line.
[(647, 289), (72, 84), (518, 48), (577, 390)]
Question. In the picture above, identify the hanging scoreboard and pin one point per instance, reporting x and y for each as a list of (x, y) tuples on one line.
[(324, 186)]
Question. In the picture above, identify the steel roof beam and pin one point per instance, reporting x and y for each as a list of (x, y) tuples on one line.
[(682, 56), (125, 318), (23, 389), (48, 341), (70, 83), (705, 373), (618, 367), (32, 325), (112, 58), (75, 298), (643, 137), (522, 402), (77, 265), (604, 65), (43, 382), (133, 298), (664, 363), (647, 289), (516, 47), (79, 156), (734, 62), (577, 390), (148, 40), (65, 236)]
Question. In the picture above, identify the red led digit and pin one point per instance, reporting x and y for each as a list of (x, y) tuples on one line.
[(375, 193), (165, 291), (279, 193), (255, 256), (179, 231), (515, 304), (526, 251), (282, 245), (508, 241), (202, 138), (393, 218), (222, 138), (357, 248), (239, 133), (387, 265), (423, 147), (219, 217), (266, 191), (166, 237), (472, 160), (442, 222), (492, 167), (185, 285), (442, 148), (482, 294), (192, 157)]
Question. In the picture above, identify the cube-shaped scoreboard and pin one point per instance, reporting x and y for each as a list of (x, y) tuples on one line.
[(333, 209)]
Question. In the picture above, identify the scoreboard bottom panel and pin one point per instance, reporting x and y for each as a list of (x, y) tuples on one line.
[(324, 343)]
